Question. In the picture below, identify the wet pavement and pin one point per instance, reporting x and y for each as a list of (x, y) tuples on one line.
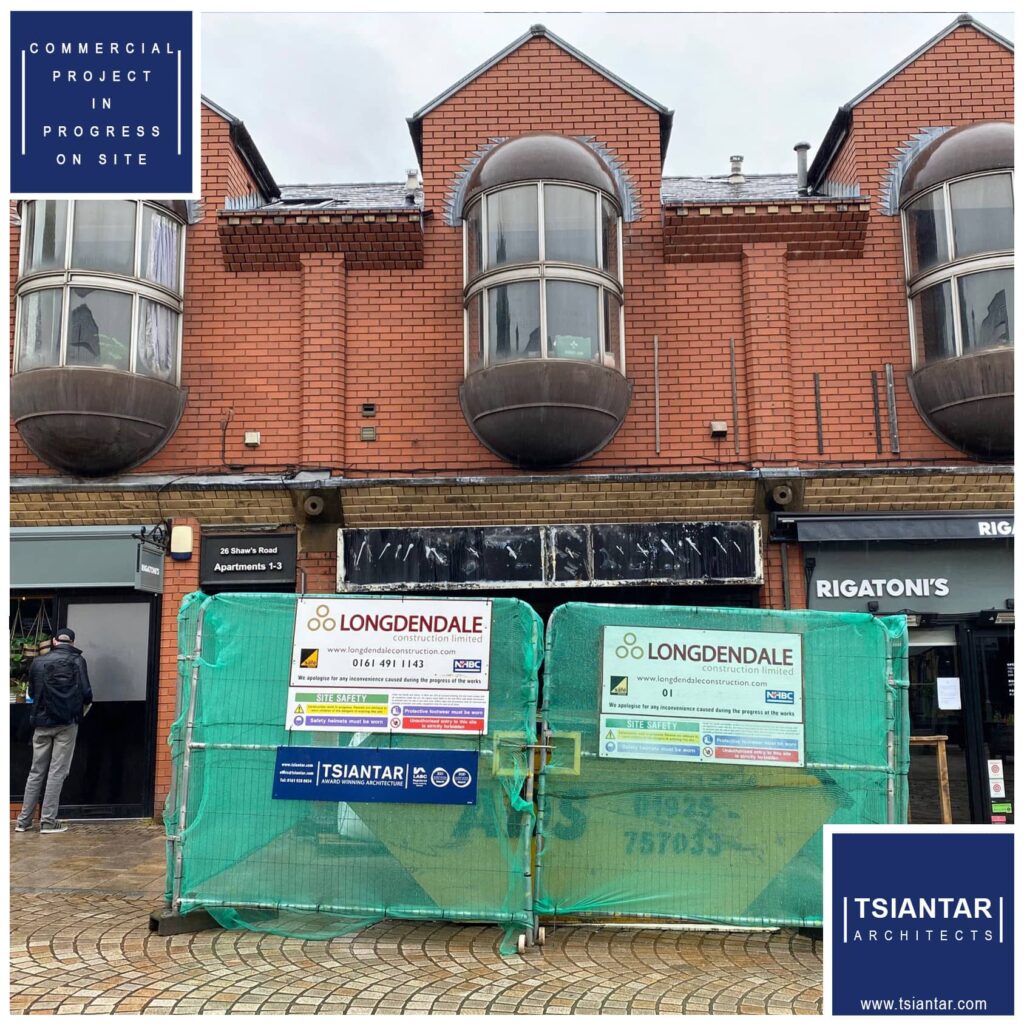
[(80, 943)]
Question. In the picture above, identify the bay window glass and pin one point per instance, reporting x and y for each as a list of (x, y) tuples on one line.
[(39, 333), (161, 246), (104, 236), (45, 227), (512, 226), (933, 321), (513, 322), (573, 320), (570, 225), (474, 246), (99, 329), (982, 214), (926, 231), (475, 331), (609, 238), (986, 309), (157, 353), (612, 335), (69, 317)]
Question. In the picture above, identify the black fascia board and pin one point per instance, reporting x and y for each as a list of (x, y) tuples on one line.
[(818, 527), (250, 155), (834, 138)]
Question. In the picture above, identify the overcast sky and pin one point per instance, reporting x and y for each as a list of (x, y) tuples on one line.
[(325, 97)]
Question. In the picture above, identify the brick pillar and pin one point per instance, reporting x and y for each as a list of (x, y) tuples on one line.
[(180, 578), (767, 354), (323, 360)]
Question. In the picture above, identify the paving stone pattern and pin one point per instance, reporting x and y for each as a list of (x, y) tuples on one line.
[(80, 943)]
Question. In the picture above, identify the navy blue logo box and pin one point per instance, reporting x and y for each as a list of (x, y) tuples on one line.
[(376, 775), (921, 923), (101, 102)]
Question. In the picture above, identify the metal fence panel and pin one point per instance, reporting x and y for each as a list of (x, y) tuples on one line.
[(319, 869), (729, 843)]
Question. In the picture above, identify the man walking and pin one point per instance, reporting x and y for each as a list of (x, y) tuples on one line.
[(58, 684)]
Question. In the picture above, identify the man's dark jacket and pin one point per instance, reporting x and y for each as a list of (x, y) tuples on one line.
[(44, 669)]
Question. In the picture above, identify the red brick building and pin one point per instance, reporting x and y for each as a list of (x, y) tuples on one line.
[(545, 347)]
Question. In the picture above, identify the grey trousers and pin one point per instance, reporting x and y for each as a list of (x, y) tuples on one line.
[(52, 749)]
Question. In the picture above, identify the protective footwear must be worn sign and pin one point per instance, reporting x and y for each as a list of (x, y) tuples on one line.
[(404, 666), (702, 695)]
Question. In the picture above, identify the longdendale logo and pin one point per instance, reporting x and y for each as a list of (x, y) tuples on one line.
[(102, 103)]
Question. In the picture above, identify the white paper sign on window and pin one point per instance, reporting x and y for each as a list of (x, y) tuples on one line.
[(948, 688)]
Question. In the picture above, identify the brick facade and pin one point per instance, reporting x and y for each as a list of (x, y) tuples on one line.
[(294, 320)]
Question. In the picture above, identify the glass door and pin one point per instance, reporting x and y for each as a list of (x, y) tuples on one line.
[(936, 709), (991, 653), (112, 770)]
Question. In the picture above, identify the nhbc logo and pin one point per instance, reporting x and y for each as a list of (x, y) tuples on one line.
[(467, 665), (780, 696)]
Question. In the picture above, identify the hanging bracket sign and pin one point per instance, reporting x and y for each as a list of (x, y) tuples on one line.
[(402, 666), (702, 695)]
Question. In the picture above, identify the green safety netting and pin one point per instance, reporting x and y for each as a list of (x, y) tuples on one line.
[(731, 844), (316, 869)]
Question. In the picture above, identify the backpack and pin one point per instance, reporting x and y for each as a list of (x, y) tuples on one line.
[(61, 697)]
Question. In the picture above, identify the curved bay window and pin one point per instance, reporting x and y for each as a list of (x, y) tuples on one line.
[(543, 276), (100, 286), (96, 383), (959, 245), (544, 324), (956, 201)]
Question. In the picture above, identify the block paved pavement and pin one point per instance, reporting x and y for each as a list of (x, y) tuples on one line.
[(80, 943)]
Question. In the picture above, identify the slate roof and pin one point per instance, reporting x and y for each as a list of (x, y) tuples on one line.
[(757, 188), (355, 196), (716, 189)]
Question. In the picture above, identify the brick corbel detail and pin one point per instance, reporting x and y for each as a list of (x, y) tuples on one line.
[(323, 359), (767, 353)]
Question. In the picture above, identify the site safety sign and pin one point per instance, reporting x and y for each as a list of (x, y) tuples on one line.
[(702, 695), (404, 666)]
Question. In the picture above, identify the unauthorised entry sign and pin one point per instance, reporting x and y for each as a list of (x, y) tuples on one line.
[(702, 695)]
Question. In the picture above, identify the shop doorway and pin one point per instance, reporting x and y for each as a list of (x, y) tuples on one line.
[(936, 709), (990, 675), (112, 771), (961, 686)]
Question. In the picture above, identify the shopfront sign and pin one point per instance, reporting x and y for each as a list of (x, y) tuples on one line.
[(593, 555), (954, 577), (405, 666), (249, 560), (702, 695), (149, 569), (364, 775)]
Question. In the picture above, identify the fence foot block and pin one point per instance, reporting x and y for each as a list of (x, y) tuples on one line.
[(167, 922)]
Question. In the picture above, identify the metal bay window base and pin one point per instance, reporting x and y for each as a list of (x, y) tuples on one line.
[(545, 413)]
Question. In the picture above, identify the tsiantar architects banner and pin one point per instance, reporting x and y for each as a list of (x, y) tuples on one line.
[(702, 695), (358, 774), (101, 102), (404, 666), (919, 921)]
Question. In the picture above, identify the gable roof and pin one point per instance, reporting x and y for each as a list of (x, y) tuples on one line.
[(837, 130), (538, 31)]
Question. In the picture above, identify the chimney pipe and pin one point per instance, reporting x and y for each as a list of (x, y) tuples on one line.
[(736, 170), (801, 166), (412, 180)]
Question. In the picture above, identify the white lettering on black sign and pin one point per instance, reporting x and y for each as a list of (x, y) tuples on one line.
[(922, 587), (995, 528)]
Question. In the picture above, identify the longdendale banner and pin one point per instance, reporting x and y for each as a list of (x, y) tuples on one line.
[(103, 104), (918, 921)]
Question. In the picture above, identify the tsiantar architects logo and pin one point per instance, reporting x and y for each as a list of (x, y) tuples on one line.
[(921, 922), (101, 102)]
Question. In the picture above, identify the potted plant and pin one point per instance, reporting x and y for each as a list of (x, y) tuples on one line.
[(19, 670)]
